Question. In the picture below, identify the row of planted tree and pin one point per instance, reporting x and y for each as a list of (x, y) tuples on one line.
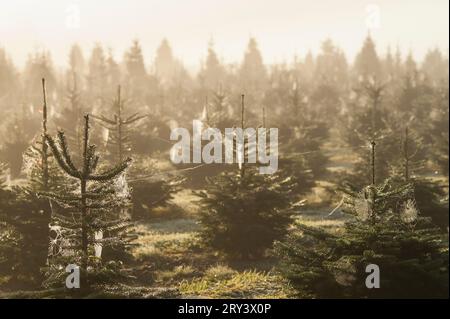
[(323, 83), (86, 202)]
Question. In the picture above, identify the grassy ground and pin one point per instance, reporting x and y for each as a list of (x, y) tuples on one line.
[(168, 255)]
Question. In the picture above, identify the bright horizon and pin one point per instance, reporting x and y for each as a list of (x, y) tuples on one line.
[(283, 28)]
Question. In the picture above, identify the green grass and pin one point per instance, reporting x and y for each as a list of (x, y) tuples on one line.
[(165, 237), (223, 282)]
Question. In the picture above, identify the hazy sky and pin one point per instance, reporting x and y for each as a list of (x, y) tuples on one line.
[(282, 27)]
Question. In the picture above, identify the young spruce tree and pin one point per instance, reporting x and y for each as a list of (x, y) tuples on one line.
[(26, 217), (244, 211), (88, 209), (386, 230), (119, 128)]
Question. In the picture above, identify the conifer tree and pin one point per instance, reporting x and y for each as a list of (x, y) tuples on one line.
[(300, 132), (137, 75), (367, 63), (39, 65), (39, 165), (9, 237), (20, 129), (331, 66), (386, 230), (253, 74), (244, 211), (213, 72), (9, 82), (435, 66), (370, 121), (169, 70), (26, 217), (97, 73), (90, 206), (113, 72), (410, 66), (303, 132), (164, 62), (119, 128), (388, 64), (428, 193), (77, 65)]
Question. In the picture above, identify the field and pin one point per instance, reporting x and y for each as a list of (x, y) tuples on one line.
[(134, 175)]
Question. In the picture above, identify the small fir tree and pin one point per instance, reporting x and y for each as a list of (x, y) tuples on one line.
[(369, 123), (386, 230), (91, 206), (243, 211), (429, 194), (26, 217), (119, 128)]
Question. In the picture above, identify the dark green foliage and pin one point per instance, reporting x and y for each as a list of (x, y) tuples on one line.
[(148, 195), (297, 168), (430, 198), (429, 194), (432, 201), (26, 219), (411, 252), (23, 238), (242, 215), (307, 141), (151, 137)]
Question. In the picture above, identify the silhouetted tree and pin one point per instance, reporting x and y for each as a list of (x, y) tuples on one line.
[(97, 73), (212, 74), (77, 66), (136, 74), (119, 127), (435, 66), (367, 63), (252, 72)]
